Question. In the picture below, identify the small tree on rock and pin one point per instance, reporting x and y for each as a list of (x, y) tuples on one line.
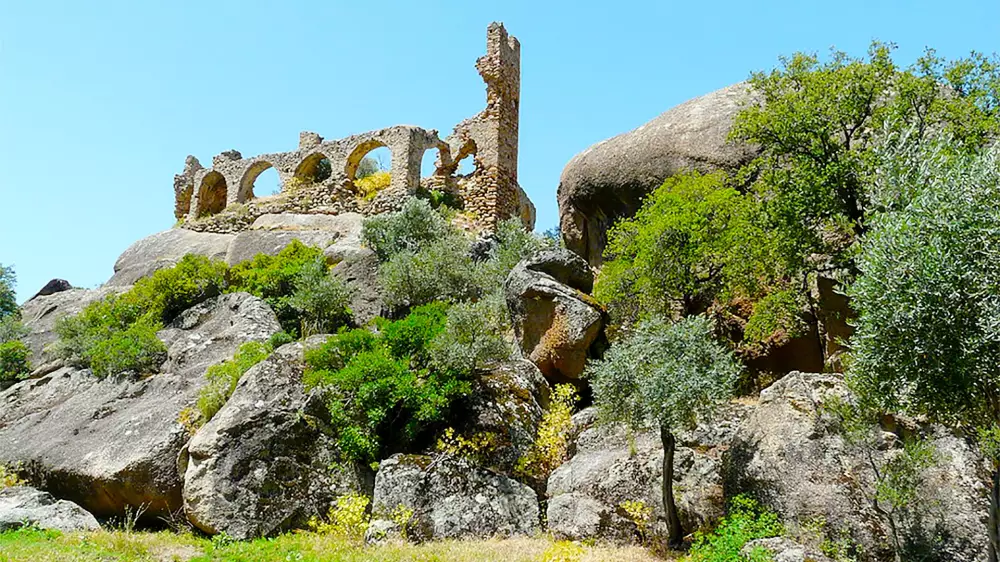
[(668, 376)]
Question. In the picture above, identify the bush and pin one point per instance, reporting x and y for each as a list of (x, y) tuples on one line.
[(8, 299), (746, 521), (102, 321), (173, 290), (347, 520), (381, 391), (370, 186), (442, 270), (552, 442), (514, 243), (14, 363), (321, 299), (11, 329), (410, 229), (273, 278), (135, 350), (471, 340), (279, 339), (223, 378)]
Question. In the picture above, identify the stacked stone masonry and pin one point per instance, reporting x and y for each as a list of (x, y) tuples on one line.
[(319, 177)]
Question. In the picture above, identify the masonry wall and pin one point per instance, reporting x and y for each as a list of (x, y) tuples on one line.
[(221, 198)]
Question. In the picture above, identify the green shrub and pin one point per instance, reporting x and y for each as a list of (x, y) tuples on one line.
[(170, 291), (442, 270), (514, 243), (381, 390), (552, 442), (11, 329), (135, 350), (472, 338), (223, 378), (321, 299), (273, 278), (14, 363), (8, 299), (99, 321), (409, 229), (746, 521), (279, 339)]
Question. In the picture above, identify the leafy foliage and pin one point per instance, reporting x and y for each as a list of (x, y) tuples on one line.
[(14, 364), (273, 278), (472, 339), (8, 299), (348, 519), (745, 521), (816, 123), (927, 340), (371, 185), (223, 378), (663, 375), (413, 227), (172, 290), (552, 442), (442, 270), (382, 389), (135, 350), (693, 241), (513, 244), (321, 299)]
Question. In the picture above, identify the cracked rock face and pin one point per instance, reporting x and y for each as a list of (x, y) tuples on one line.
[(111, 443), (557, 325), (267, 461), (452, 499)]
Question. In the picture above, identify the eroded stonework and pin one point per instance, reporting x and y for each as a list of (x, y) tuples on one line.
[(319, 177)]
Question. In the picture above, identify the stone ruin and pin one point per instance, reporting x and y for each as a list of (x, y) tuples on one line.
[(319, 177)]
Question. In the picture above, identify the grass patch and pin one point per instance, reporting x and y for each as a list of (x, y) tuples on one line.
[(43, 546)]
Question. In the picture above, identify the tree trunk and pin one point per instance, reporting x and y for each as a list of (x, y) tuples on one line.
[(674, 532), (994, 521)]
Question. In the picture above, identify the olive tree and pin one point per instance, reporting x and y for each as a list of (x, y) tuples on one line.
[(666, 376), (928, 294)]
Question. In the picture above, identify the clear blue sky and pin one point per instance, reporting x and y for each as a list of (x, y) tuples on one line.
[(101, 101)]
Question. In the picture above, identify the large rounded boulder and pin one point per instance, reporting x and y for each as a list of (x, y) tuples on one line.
[(608, 180)]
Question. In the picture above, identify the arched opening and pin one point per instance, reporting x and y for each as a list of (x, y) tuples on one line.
[(315, 168), (260, 179), (466, 165), (212, 194), (369, 168)]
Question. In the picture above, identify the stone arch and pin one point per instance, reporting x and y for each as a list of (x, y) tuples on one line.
[(466, 150), (358, 154), (212, 194), (314, 168), (245, 192)]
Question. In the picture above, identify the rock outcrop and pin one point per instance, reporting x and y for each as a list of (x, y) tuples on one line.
[(789, 455), (267, 461), (508, 402), (451, 499), (41, 313), (360, 271), (111, 443), (783, 550), (165, 249), (609, 467), (608, 180), (556, 323), (22, 505)]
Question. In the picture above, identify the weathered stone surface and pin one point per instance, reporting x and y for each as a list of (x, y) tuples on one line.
[(608, 180), (165, 249), (41, 313), (557, 325), (113, 442), (248, 244), (508, 402), (789, 456), (451, 499), (784, 550), (606, 469), (266, 461), (360, 271), (23, 505), (347, 226)]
